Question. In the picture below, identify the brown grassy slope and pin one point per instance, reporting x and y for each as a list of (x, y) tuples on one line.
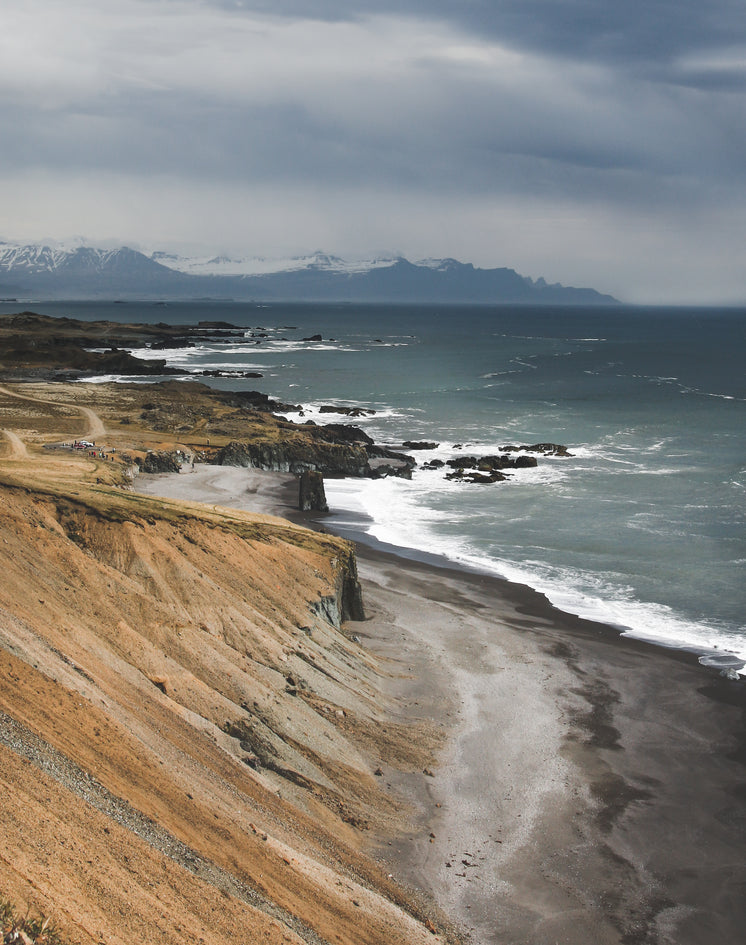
[(166, 415), (168, 412), (155, 648)]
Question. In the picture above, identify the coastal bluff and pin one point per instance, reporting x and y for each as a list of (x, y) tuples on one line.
[(219, 726), (189, 725)]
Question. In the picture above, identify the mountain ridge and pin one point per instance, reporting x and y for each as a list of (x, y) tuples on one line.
[(44, 271)]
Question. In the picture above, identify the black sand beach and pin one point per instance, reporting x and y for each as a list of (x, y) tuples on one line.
[(592, 788)]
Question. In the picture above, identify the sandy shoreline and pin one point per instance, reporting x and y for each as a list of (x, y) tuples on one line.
[(592, 788)]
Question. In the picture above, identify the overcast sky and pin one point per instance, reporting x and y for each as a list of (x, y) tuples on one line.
[(592, 142)]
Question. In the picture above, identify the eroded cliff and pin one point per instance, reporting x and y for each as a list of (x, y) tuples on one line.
[(184, 723)]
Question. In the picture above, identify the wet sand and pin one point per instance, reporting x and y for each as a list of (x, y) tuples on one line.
[(592, 788)]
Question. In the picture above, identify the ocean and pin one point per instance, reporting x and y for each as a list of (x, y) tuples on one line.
[(642, 527)]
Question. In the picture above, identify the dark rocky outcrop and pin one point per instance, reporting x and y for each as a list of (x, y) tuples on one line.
[(172, 343), (349, 592), (221, 326), (486, 469), (44, 345), (420, 445), (160, 461), (548, 449), (335, 450), (491, 463), (246, 374), (256, 400), (462, 475), (311, 494), (382, 468), (342, 433), (296, 455), (347, 411), (56, 353), (347, 601)]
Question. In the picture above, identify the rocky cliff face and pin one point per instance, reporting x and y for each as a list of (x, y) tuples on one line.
[(333, 450), (296, 456)]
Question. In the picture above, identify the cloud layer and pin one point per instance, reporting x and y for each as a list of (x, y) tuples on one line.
[(584, 140)]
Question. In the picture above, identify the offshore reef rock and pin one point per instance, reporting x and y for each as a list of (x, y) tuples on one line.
[(486, 469), (462, 475), (167, 343), (547, 449), (420, 445), (247, 374), (381, 467), (311, 494), (490, 463), (347, 411), (222, 326)]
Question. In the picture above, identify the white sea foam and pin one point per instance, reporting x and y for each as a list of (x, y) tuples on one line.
[(378, 412), (274, 344), (650, 506), (105, 379), (397, 512)]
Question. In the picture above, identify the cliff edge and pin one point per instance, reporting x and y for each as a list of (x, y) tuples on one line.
[(186, 720)]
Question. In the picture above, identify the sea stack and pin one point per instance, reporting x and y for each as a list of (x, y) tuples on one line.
[(311, 495)]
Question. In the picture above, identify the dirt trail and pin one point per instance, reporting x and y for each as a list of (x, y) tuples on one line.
[(17, 446), (96, 427)]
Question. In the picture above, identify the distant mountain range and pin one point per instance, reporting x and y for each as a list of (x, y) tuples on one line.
[(82, 272)]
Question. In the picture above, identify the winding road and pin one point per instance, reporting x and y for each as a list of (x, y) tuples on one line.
[(17, 446), (96, 426)]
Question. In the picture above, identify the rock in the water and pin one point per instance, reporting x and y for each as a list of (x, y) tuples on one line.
[(311, 494), (486, 468), (382, 468), (548, 449), (347, 411), (420, 445)]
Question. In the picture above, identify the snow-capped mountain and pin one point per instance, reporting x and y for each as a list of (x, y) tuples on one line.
[(50, 258), (262, 265), (36, 259), (46, 271)]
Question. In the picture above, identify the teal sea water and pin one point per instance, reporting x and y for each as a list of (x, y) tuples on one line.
[(643, 527)]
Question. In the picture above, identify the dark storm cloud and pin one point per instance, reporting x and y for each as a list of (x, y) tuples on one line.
[(441, 127), (445, 98), (409, 117), (641, 33)]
